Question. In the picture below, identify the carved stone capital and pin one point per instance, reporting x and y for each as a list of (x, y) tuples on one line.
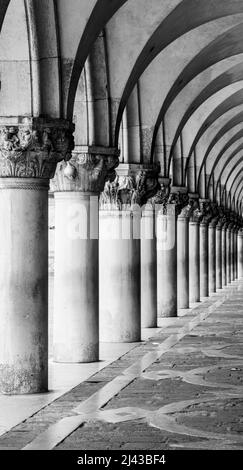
[(32, 147), (222, 220), (231, 220), (208, 211), (161, 196), (196, 214), (240, 232), (173, 203), (134, 184), (187, 210), (87, 171), (215, 215)]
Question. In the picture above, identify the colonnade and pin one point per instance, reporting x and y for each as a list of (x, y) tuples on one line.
[(129, 248)]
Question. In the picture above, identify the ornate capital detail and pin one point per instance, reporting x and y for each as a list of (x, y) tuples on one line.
[(222, 220), (31, 148), (215, 215), (87, 171), (130, 187), (240, 232), (161, 197), (196, 215), (231, 220), (208, 211), (174, 204), (187, 210)]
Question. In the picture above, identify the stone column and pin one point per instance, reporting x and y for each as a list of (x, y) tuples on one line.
[(167, 254), (212, 255), (224, 256), (183, 255), (235, 252), (232, 252), (205, 209), (228, 254), (194, 255), (77, 186), (149, 243), (240, 253), (29, 151), (120, 257), (148, 268), (149, 263), (219, 254)]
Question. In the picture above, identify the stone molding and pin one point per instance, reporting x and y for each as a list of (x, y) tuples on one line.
[(32, 147), (133, 185), (30, 184)]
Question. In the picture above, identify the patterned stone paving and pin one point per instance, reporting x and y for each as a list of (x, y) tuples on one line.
[(181, 389)]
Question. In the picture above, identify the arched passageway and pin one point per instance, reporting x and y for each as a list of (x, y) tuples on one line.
[(124, 118)]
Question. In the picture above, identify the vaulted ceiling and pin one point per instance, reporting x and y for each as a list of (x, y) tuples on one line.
[(161, 79)]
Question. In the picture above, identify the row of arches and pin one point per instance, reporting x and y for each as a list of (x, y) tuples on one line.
[(172, 85), (154, 90)]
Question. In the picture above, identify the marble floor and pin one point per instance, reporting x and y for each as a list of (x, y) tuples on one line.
[(181, 388)]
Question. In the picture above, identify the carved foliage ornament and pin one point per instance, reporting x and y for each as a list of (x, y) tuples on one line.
[(33, 150), (168, 203), (187, 210), (222, 217), (160, 197), (85, 172), (173, 203), (128, 190), (207, 212), (196, 215)]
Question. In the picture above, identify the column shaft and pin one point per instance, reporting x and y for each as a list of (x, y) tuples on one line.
[(235, 255), (218, 257), (183, 262), (228, 256), (212, 258), (120, 295), (75, 332), (23, 286), (148, 271), (167, 265), (240, 254), (224, 257), (204, 260), (232, 254), (194, 263)]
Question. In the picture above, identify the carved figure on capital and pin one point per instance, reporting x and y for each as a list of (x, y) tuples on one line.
[(206, 211), (187, 210), (85, 172), (222, 218), (129, 190), (196, 215)]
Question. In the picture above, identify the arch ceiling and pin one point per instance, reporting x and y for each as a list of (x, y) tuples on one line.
[(166, 84)]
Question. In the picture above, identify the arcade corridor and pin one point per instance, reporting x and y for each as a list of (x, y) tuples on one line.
[(121, 224), (182, 388)]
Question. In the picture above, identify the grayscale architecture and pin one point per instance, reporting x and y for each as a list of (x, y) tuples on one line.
[(121, 224)]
